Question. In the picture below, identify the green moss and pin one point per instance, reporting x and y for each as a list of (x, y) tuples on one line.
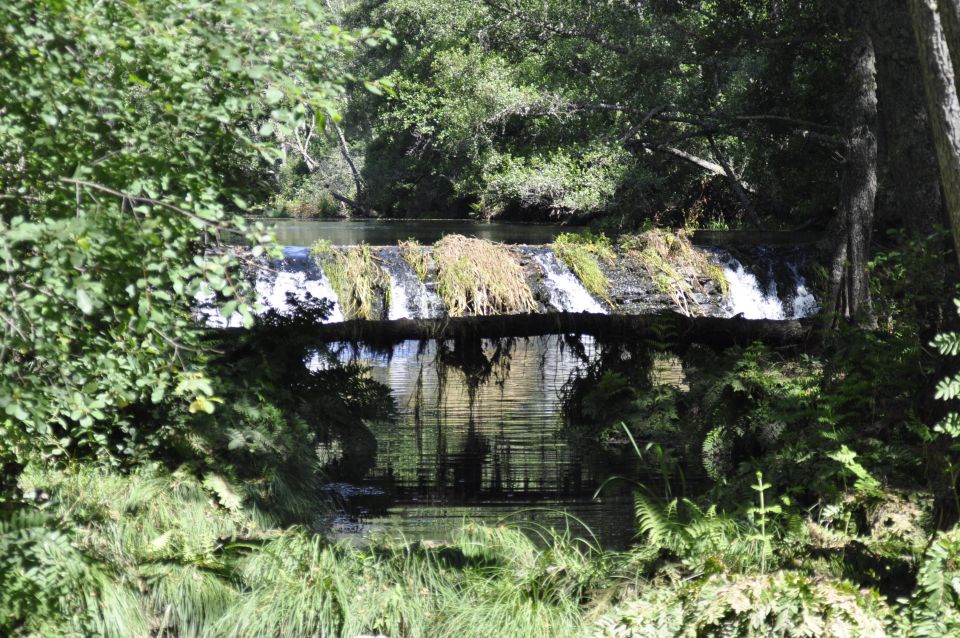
[(582, 254), (413, 253), (480, 277), (362, 286), (674, 264)]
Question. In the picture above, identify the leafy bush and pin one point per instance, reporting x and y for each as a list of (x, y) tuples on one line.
[(785, 604), (118, 194)]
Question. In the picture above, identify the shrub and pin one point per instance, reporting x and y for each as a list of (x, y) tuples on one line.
[(784, 604)]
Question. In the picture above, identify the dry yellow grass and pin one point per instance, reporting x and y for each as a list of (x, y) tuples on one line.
[(480, 277)]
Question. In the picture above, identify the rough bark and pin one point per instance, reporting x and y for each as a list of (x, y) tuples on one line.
[(908, 195), (670, 328), (858, 189), (950, 19), (939, 79)]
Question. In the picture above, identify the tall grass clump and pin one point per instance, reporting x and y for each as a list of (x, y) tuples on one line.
[(480, 277), (362, 286), (416, 257), (674, 264), (582, 254)]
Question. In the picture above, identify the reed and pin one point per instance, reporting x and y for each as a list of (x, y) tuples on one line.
[(362, 286), (480, 278)]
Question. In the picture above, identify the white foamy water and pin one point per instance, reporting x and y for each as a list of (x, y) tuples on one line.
[(746, 296), (398, 299), (804, 303), (299, 280), (567, 294)]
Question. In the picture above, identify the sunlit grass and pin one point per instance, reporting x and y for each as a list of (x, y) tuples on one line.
[(362, 286), (416, 257), (582, 254), (480, 277)]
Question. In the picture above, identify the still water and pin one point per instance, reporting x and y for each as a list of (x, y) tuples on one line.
[(386, 232), (491, 448)]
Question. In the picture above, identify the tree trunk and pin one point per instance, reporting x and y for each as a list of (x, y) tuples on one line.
[(908, 195), (735, 184), (939, 79), (858, 189), (672, 328), (360, 199)]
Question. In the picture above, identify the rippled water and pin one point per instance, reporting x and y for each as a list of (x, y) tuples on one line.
[(482, 451)]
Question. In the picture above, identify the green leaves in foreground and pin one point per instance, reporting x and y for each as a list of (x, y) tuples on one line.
[(132, 136)]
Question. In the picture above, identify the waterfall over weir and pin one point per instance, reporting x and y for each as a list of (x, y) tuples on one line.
[(770, 286)]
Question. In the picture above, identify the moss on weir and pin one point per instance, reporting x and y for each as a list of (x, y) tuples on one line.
[(362, 286), (416, 257), (582, 254), (480, 277), (674, 264)]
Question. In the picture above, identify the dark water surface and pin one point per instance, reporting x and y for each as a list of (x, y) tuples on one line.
[(386, 232), (485, 451)]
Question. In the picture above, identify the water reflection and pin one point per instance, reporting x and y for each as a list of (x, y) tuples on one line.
[(384, 233), (478, 433)]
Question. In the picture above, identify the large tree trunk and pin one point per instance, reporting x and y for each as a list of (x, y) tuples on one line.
[(908, 195), (940, 83), (858, 190)]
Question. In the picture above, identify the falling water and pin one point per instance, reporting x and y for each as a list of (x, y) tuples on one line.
[(773, 288), (410, 298), (294, 278), (566, 292), (748, 298)]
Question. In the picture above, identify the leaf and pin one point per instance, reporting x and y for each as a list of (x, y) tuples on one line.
[(84, 302), (273, 95)]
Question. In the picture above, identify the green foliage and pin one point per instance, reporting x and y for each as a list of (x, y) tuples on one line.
[(362, 286), (480, 277), (132, 137), (935, 607), (49, 587), (564, 184), (582, 253), (785, 604), (413, 253)]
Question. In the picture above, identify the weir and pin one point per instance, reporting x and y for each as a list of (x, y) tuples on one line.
[(762, 282), (480, 427)]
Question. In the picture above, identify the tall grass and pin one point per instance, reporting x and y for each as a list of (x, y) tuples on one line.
[(161, 554), (480, 277), (362, 286), (582, 254), (416, 257)]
